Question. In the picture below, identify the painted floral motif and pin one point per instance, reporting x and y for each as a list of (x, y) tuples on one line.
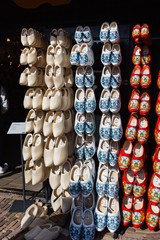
[(145, 81), (115, 58), (79, 128), (127, 216), (106, 81), (136, 59), (86, 188), (114, 104), (151, 219), (101, 188), (142, 136), (116, 133), (131, 133), (79, 152), (115, 81), (88, 232), (139, 191), (106, 58), (104, 35), (113, 222), (74, 58), (80, 106), (74, 188), (104, 104), (100, 221), (127, 187), (146, 59), (138, 218), (144, 107), (105, 133), (135, 80), (75, 232), (113, 158), (90, 105), (133, 105), (113, 35), (157, 136), (79, 81), (124, 162), (83, 59), (156, 167), (89, 152), (112, 189), (103, 156), (88, 81), (136, 165), (154, 195), (90, 127)]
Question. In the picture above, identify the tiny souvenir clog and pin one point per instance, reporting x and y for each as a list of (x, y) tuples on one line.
[(105, 126), (146, 55), (75, 55), (152, 214), (158, 105), (127, 204), (113, 183), (88, 228), (106, 54), (106, 77), (79, 77), (75, 227), (104, 103), (117, 130), (116, 77), (115, 101), (127, 182), (135, 77), (79, 102), (145, 104), (114, 33), (154, 190), (89, 77), (100, 214), (157, 132), (79, 147), (138, 215), (90, 125), (116, 57), (113, 153), (136, 58), (90, 148), (133, 105), (140, 184), (79, 125), (136, 33), (102, 181), (104, 32), (146, 78), (145, 34), (143, 130), (74, 182), (124, 159), (138, 158), (90, 103), (86, 181), (113, 215), (131, 130), (156, 163), (103, 151)]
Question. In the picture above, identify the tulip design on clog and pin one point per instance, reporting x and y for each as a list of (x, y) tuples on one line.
[(138, 215), (133, 105), (138, 158), (127, 209), (154, 190), (152, 215), (143, 130), (127, 182), (135, 76), (124, 159), (131, 130)]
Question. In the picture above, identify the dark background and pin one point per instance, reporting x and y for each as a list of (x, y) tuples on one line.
[(92, 13)]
